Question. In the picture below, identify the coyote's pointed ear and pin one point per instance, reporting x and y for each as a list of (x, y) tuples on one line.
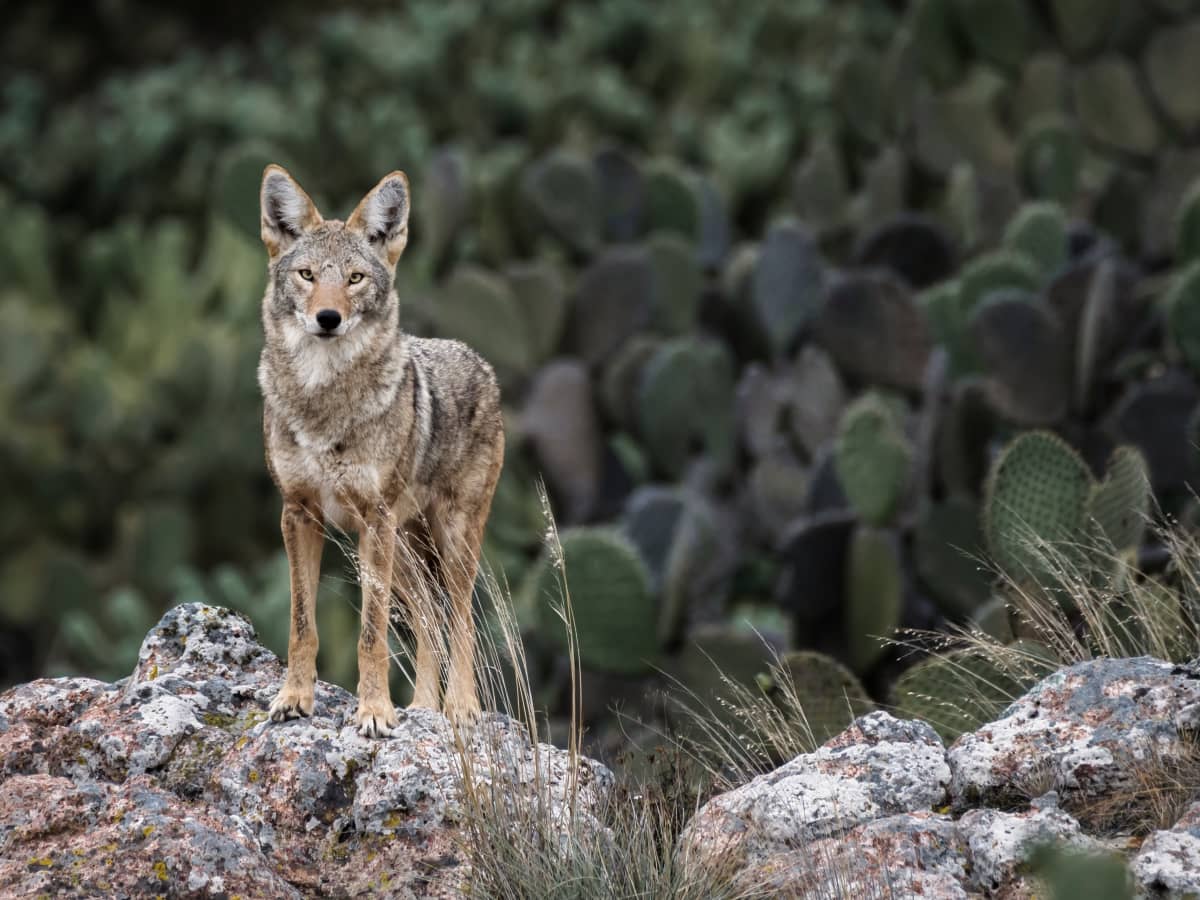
[(382, 216), (287, 212)]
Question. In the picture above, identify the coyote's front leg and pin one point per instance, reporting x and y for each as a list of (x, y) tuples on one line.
[(376, 716), (303, 540)]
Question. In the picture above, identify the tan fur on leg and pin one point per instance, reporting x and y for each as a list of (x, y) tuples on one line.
[(376, 716), (419, 594), (458, 544), (304, 541)]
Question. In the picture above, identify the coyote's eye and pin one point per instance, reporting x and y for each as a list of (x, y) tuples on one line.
[(356, 277), (306, 274)]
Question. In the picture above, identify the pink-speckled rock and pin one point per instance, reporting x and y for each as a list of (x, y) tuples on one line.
[(172, 781), (1168, 864), (999, 845), (919, 854), (1077, 732), (879, 766)]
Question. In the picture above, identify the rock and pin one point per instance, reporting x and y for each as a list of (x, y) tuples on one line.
[(918, 854), (1075, 733), (869, 813), (172, 781), (999, 843), (89, 839), (877, 767), (1168, 864)]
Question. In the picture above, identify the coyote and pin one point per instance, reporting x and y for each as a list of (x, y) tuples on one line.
[(370, 430)]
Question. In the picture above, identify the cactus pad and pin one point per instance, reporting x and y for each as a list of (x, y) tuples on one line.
[(829, 694), (1183, 314), (561, 191), (677, 283), (1172, 69), (1039, 231), (1050, 156), (477, 307), (874, 595), (1112, 109), (685, 400), (948, 546), (615, 614), (873, 459), (1038, 490), (993, 272), (788, 278), (1120, 504), (874, 330), (1022, 347), (955, 693)]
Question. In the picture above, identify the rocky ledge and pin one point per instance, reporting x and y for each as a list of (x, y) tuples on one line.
[(172, 782), (1085, 760)]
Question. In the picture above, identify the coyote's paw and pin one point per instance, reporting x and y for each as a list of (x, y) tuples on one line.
[(462, 712), (376, 718), (291, 703)]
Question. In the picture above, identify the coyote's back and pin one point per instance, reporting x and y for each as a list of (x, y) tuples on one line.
[(372, 430)]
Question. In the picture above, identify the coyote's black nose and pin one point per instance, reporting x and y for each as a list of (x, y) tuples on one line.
[(329, 319)]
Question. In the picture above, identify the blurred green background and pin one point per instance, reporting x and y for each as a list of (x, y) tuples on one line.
[(768, 286)]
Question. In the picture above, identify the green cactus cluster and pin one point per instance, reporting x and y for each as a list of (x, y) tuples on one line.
[(873, 458), (606, 583), (1041, 500), (816, 271)]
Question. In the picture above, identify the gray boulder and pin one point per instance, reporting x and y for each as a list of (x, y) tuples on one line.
[(879, 766), (1076, 733), (1168, 864), (173, 782)]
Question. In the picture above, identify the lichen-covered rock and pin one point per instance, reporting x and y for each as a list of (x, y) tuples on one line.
[(1168, 864), (877, 767), (97, 839), (917, 854), (173, 782), (1077, 732), (999, 843)]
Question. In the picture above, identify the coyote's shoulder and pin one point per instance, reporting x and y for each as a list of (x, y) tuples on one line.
[(369, 429)]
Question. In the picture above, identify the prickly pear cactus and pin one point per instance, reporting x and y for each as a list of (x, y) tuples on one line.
[(478, 307), (873, 458), (1050, 156), (606, 583), (1039, 231), (874, 595), (948, 546), (677, 283), (1120, 504), (954, 692), (561, 191), (1183, 314), (713, 660), (997, 271), (1187, 226), (1037, 492), (671, 201), (829, 693), (1024, 350), (1112, 108), (787, 284), (685, 398)]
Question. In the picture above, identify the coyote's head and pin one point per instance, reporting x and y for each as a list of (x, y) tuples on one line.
[(330, 277)]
